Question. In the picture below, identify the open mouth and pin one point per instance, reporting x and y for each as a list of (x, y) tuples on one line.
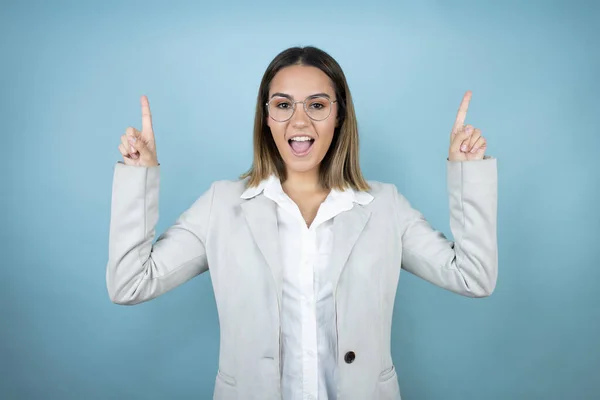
[(301, 145)]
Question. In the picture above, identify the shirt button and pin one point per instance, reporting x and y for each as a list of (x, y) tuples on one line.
[(349, 357)]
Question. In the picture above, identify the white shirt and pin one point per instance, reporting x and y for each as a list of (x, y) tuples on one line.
[(308, 316)]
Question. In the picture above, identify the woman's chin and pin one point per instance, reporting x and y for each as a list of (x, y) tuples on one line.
[(302, 165)]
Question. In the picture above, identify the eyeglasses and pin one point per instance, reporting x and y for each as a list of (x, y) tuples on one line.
[(317, 107)]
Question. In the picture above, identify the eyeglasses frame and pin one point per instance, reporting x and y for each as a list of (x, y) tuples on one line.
[(267, 104)]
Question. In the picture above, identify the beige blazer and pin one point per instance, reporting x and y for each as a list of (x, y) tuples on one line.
[(237, 240)]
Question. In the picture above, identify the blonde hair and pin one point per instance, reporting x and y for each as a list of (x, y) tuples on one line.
[(340, 167)]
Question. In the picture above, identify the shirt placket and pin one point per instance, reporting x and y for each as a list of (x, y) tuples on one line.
[(309, 320)]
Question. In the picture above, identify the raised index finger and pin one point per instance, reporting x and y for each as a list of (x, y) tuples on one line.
[(146, 117), (462, 112)]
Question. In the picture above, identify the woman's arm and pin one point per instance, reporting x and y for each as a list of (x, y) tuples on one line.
[(469, 264), (137, 269)]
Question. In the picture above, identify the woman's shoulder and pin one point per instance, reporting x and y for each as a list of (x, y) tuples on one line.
[(382, 189), (229, 189), (379, 186)]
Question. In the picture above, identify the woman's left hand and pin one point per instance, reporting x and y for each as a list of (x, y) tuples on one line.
[(466, 142)]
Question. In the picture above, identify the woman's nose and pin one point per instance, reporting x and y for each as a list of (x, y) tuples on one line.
[(300, 117)]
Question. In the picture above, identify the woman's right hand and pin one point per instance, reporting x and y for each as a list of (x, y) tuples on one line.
[(139, 148)]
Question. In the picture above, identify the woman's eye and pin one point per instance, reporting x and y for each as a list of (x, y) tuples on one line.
[(283, 106), (317, 106)]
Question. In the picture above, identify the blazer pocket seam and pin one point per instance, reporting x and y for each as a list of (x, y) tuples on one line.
[(227, 379), (387, 374)]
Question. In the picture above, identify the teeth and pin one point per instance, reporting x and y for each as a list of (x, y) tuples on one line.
[(301, 138)]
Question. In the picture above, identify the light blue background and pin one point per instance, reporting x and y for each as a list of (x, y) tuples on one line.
[(71, 74)]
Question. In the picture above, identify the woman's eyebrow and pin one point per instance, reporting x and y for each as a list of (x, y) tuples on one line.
[(279, 94)]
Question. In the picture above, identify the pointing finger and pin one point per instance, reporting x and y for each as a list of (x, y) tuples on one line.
[(462, 112), (147, 130)]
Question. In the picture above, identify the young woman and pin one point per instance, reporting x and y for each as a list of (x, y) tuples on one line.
[(304, 253)]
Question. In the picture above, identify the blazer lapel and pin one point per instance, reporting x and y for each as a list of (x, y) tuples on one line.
[(347, 227), (261, 215)]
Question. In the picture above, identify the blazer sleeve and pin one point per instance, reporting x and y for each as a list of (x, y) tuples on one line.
[(469, 264), (139, 270)]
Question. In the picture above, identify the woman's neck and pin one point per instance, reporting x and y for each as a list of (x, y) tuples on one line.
[(302, 182)]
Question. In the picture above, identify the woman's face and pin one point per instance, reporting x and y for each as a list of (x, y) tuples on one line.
[(302, 141)]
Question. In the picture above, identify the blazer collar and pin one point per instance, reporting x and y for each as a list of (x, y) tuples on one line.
[(261, 215)]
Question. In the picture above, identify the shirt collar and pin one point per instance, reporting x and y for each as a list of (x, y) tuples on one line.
[(256, 190), (272, 186)]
